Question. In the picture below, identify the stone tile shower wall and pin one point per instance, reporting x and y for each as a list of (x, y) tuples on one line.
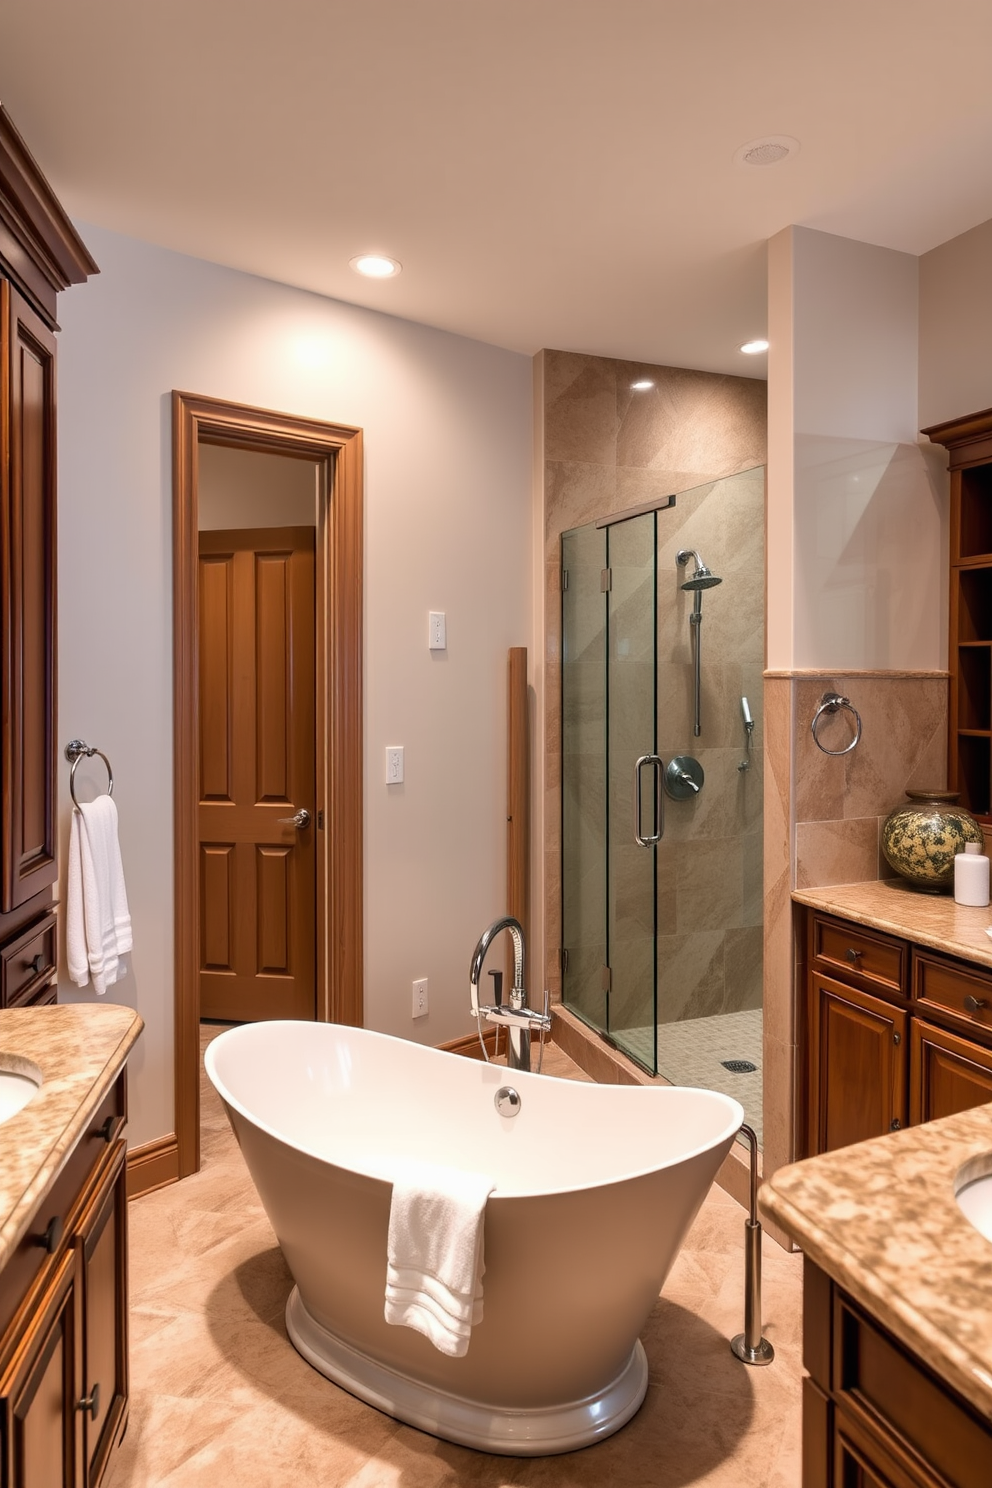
[(712, 850), (607, 449)]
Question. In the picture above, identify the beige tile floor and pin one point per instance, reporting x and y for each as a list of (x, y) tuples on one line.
[(219, 1396)]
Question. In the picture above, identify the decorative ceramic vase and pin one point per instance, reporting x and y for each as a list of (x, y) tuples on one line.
[(920, 840)]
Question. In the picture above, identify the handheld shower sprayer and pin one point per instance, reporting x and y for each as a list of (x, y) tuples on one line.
[(745, 764)]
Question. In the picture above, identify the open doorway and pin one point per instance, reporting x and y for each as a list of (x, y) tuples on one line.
[(268, 736)]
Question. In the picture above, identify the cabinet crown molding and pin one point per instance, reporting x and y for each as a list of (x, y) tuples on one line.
[(36, 235)]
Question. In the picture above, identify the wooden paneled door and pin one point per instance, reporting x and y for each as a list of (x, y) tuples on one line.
[(257, 774)]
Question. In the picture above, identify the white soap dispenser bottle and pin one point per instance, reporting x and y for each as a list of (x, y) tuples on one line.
[(971, 876)]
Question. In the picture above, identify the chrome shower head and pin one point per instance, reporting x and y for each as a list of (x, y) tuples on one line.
[(701, 577)]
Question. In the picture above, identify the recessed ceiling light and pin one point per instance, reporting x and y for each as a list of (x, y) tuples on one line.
[(642, 386), (771, 149), (375, 266), (753, 347)]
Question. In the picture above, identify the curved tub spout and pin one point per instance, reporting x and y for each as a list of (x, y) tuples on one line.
[(520, 1020)]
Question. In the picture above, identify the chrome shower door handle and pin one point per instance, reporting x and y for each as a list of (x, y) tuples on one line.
[(300, 821), (658, 764)]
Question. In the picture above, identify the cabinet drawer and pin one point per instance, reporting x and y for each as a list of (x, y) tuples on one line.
[(945, 987), (877, 962), (28, 962)]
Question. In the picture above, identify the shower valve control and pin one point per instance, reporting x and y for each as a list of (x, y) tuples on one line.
[(683, 777)]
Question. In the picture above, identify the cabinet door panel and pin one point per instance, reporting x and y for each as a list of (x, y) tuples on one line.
[(858, 1056), (39, 1390), (947, 1074), (101, 1237), (27, 583)]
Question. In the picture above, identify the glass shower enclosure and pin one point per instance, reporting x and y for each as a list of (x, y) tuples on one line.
[(662, 656)]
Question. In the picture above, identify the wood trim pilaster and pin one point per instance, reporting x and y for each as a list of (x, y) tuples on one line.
[(337, 448), (518, 789)]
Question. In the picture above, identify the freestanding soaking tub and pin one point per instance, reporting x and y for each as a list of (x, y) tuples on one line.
[(595, 1188)]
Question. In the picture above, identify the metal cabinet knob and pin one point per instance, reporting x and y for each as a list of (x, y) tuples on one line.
[(896, 1124), (300, 821), (90, 1402), (972, 1004), (49, 1239), (853, 955), (38, 963), (106, 1129)]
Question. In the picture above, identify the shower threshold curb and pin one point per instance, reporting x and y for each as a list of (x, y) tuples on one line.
[(542, 1431)]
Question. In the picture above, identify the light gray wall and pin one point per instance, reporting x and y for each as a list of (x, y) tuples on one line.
[(447, 426), (248, 488), (956, 327), (856, 506)]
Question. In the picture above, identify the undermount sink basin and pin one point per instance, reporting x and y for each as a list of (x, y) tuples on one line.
[(975, 1203), (17, 1087)]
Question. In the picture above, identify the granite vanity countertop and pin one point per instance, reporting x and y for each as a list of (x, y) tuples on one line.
[(80, 1050), (932, 920), (881, 1218)]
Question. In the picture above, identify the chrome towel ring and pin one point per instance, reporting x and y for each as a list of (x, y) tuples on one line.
[(78, 749), (831, 702)]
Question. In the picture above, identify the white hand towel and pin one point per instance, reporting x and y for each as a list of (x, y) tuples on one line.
[(98, 924), (435, 1264)]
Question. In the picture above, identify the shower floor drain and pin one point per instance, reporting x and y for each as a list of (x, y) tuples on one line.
[(739, 1066)]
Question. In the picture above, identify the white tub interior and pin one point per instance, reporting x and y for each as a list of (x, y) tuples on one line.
[(368, 1102)]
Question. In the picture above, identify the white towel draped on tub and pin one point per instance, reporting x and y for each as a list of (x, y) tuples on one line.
[(98, 924), (435, 1265)]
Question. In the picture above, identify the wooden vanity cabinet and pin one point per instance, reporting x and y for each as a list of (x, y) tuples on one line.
[(40, 255), (874, 1416), (63, 1299), (894, 1033)]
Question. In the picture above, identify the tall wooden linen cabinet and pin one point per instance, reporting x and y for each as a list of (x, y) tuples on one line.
[(40, 254), (63, 1306), (968, 442)]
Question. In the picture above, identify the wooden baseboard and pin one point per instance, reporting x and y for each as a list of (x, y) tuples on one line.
[(468, 1044), (153, 1165)]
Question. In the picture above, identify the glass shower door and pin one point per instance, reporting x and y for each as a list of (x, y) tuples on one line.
[(583, 744), (634, 795), (609, 711)]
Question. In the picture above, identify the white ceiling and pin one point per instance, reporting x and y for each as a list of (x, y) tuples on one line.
[(549, 172)]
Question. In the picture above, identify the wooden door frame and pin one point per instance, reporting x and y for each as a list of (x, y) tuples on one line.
[(337, 449)]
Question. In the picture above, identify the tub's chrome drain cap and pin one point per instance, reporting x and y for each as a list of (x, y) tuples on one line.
[(506, 1101)]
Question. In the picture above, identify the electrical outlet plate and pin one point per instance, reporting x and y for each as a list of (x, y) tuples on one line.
[(420, 1006), (394, 764)]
